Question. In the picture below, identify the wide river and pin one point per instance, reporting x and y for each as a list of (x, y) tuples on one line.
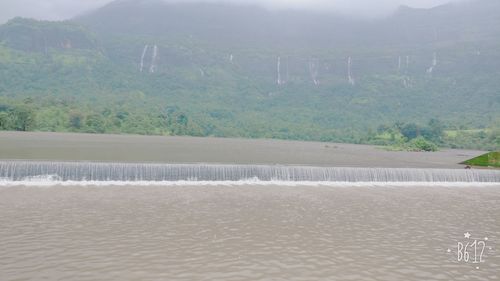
[(93, 229), (249, 232), (158, 149)]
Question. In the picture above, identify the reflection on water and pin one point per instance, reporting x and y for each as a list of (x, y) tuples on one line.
[(245, 233)]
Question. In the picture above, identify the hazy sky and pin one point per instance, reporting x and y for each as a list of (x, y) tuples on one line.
[(63, 9)]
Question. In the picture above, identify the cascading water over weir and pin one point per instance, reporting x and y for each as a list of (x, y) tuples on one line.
[(15, 171)]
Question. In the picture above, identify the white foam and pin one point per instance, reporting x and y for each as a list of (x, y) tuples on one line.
[(52, 181)]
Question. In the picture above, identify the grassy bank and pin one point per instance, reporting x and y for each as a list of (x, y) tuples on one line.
[(491, 159)]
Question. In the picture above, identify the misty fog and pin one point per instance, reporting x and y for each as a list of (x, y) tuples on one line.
[(64, 9)]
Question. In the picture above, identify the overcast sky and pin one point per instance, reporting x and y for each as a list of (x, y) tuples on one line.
[(63, 9)]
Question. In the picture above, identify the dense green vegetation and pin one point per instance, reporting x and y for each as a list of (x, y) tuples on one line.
[(491, 159), (427, 137), (118, 116), (219, 77)]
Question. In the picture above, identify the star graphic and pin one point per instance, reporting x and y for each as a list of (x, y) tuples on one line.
[(485, 238), (449, 250), (467, 235)]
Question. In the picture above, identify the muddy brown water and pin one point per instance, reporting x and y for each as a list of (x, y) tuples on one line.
[(247, 233), (130, 148)]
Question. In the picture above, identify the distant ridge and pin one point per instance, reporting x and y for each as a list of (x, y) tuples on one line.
[(251, 24), (39, 36)]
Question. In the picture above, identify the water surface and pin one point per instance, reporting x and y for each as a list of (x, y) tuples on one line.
[(246, 232), (129, 148)]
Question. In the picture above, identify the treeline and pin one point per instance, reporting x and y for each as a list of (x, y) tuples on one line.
[(18, 118), (135, 116), (434, 134), (62, 116)]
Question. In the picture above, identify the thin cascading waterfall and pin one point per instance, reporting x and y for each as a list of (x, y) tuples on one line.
[(154, 56), (313, 71), (287, 69), (399, 65), (430, 70), (278, 70), (16, 171), (350, 78), (406, 78), (143, 56)]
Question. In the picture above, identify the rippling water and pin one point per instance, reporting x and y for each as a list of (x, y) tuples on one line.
[(246, 233)]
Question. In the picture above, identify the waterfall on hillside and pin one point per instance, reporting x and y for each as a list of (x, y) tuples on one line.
[(349, 72), (154, 56), (231, 57), (85, 171), (313, 71), (406, 78), (278, 70), (202, 73), (399, 65), (406, 82), (434, 63), (287, 69), (144, 51)]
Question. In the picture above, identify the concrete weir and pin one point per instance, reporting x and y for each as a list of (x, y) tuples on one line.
[(126, 172)]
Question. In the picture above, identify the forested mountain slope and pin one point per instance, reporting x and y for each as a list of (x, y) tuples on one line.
[(213, 69)]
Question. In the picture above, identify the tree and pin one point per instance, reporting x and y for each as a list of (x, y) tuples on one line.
[(434, 131), (22, 118), (5, 123), (95, 124), (410, 131), (76, 120), (421, 144)]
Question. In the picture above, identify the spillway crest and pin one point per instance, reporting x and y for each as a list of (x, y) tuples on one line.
[(125, 172)]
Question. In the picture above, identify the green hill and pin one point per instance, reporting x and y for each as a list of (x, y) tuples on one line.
[(240, 71)]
